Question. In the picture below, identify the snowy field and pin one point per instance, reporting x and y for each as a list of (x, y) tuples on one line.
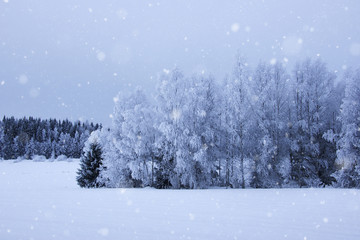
[(40, 200)]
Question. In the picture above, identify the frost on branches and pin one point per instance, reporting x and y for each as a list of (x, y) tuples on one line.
[(261, 128), (348, 153)]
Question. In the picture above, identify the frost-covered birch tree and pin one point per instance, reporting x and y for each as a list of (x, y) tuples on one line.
[(313, 84), (238, 125), (348, 153), (132, 140), (170, 108), (270, 105)]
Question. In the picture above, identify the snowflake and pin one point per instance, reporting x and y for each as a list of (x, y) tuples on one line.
[(23, 79), (273, 61), (122, 13), (202, 113), (34, 92), (103, 231), (235, 27), (292, 45), (100, 56), (176, 114), (115, 99)]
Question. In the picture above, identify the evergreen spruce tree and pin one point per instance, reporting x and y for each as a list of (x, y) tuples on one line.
[(2, 140), (90, 163)]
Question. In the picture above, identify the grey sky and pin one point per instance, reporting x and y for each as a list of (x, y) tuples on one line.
[(68, 59)]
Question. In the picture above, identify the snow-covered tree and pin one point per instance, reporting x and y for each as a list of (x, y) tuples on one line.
[(270, 106), (132, 139), (90, 162), (114, 172), (30, 149), (170, 107), (65, 145), (348, 153), (238, 124), (313, 85), (187, 122), (198, 137), (138, 137)]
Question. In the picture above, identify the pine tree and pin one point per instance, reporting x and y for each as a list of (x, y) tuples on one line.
[(90, 163), (2, 141)]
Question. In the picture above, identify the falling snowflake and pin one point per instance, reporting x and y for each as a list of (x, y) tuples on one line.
[(176, 114), (235, 27), (292, 45), (23, 79), (202, 113), (100, 56), (103, 231), (247, 29), (34, 92), (122, 13), (115, 99), (273, 61)]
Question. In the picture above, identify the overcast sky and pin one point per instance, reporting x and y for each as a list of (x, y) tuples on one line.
[(68, 59)]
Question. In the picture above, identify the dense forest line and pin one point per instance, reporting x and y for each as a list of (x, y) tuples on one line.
[(260, 128), (28, 137)]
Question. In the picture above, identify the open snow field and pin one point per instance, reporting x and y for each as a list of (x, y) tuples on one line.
[(40, 200)]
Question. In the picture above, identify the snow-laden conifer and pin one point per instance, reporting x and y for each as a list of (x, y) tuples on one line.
[(90, 162)]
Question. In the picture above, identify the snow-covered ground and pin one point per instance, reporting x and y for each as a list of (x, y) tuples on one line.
[(40, 200)]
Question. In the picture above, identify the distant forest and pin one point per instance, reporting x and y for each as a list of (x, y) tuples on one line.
[(28, 137)]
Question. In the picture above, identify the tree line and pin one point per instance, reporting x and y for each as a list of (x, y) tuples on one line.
[(29, 137), (260, 128)]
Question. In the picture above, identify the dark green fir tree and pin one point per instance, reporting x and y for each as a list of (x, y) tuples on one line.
[(90, 165)]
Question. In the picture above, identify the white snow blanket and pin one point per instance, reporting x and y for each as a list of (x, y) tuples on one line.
[(40, 200)]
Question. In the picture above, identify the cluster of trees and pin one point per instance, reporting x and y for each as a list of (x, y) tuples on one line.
[(27, 137), (260, 128)]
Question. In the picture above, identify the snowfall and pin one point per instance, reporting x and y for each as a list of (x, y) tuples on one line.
[(41, 200)]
